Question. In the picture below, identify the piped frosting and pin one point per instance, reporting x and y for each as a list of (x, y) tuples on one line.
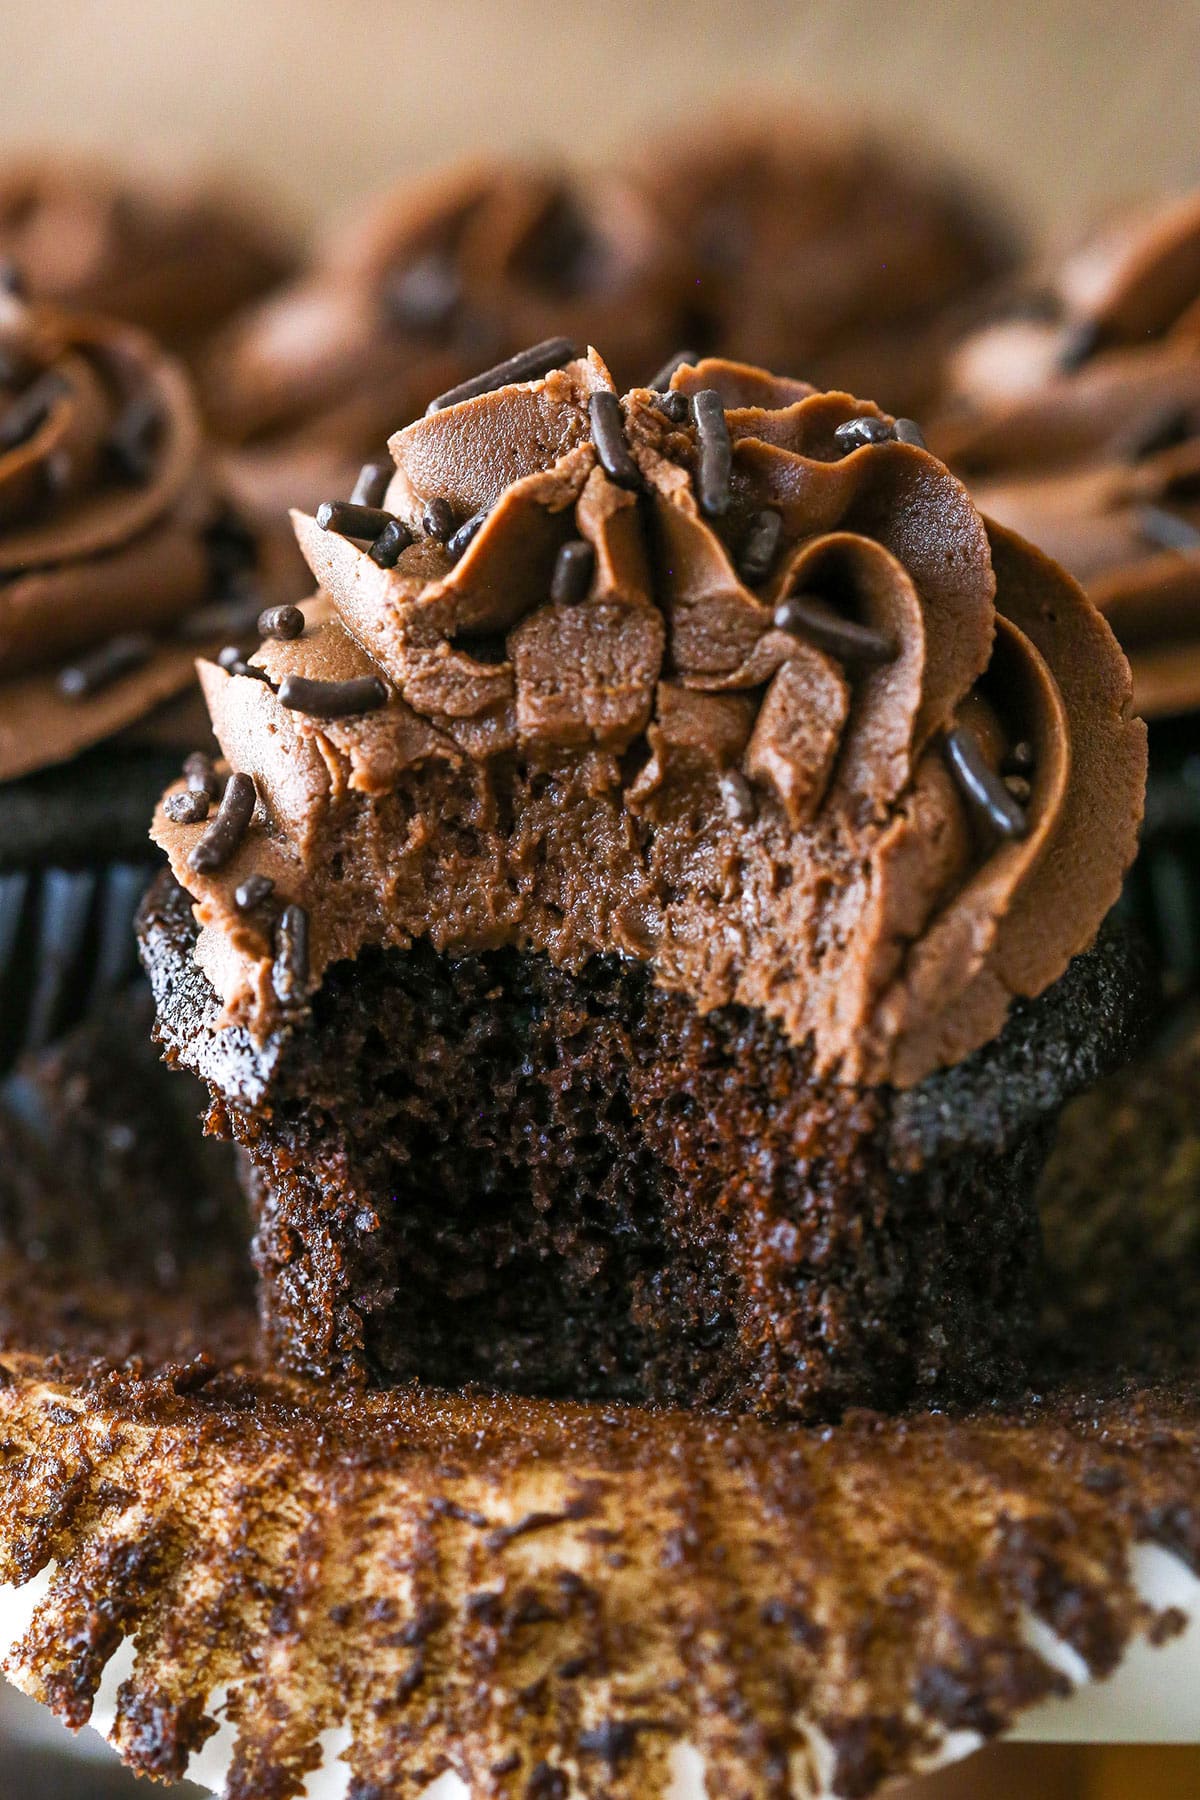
[(669, 767)]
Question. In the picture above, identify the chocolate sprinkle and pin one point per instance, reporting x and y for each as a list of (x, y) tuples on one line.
[(1162, 429), (738, 797), (99, 668), (907, 431), (285, 622), (332, 699), (200, 774), (1157, 525), (437, 519), (572, 572), (467, 532), (252, 892), (981, 786), (423, 297), (372, 484), (526, 365), (716, 453), (681, 359), (807, 616), (395, 538), (234, 663), (673, 406), (189, 808), (134, 438), (351, 521), (1079, 342), (608, 434), (30, 410), (855, 434), (222, 618), (760, 546), (227, 830), (290, 969)]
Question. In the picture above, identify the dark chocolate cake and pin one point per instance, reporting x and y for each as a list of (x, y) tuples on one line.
[(609, 935), (578, 1186)]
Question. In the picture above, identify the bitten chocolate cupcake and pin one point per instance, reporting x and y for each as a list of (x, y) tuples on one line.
[(177, 259), (434, 280), (1075, 418), (650, 925), (823, 251), (119, 560)]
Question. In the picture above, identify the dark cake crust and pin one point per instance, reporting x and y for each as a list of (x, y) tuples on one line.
[(484, 1170)]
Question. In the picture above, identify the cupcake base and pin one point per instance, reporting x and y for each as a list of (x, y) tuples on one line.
[(482, 1169)]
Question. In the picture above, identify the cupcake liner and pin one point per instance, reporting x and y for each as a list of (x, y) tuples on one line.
[(66, 947), (74, 863), (1162, 890)]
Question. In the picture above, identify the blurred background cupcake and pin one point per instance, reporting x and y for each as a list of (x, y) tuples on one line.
[(436, 279), (120, 560), (808, 248), (1073, 414), (176, 257), (823, 250)]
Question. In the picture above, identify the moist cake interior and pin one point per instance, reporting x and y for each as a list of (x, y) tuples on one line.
[(593, 1191), (484, 1169)]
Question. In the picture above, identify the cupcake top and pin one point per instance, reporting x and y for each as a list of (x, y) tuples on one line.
[(732, 678), (118, 557), (176, 259), (1075, 418), (822, 251), (433, 281)]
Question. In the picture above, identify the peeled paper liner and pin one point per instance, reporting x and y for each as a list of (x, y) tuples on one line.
[(282, 1590)]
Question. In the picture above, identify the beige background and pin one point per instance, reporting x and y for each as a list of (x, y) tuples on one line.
[(1068, 103)]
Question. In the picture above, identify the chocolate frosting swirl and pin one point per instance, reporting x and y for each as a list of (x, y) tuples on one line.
[(175, 259), (823, 250), (661, 769), (1076, 420), (109, 524), (434, 282)]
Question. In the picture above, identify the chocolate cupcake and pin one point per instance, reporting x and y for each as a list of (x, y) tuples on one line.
[(434, 280), (119, 561), (1075, 419), (177, 259), (824, 251), (636, 944)]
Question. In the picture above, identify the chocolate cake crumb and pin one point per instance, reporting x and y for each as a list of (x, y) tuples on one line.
[(593, 1230)]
